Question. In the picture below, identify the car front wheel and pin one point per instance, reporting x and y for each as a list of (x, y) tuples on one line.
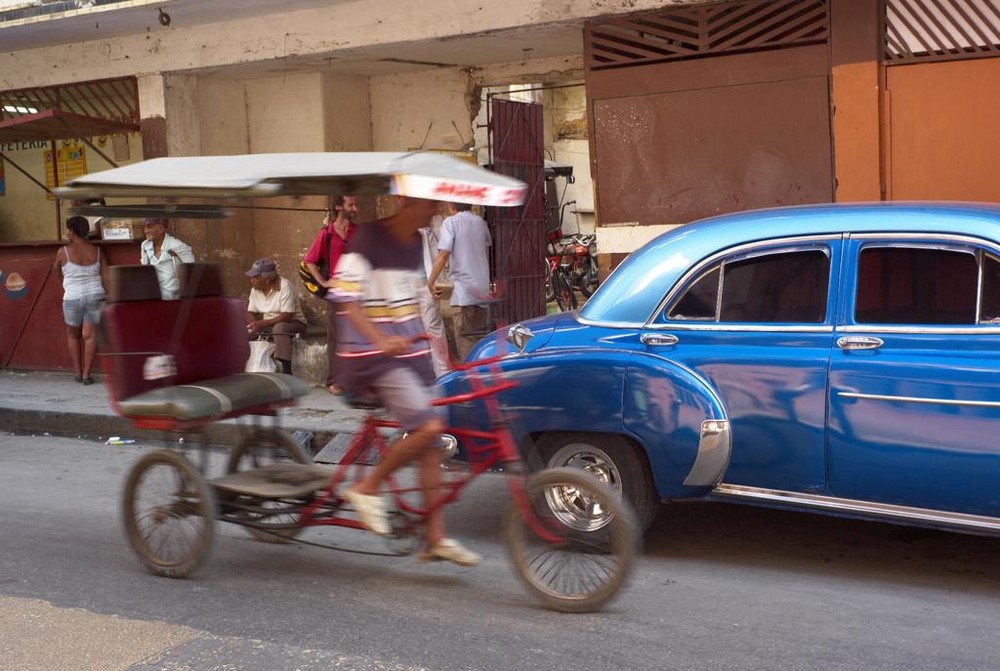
[(611, 459)]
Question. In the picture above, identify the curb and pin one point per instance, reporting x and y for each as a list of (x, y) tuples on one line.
[(80, 425)]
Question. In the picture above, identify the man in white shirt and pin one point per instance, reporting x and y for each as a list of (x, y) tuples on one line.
[(166, 252), (464, 241), (273, 307)]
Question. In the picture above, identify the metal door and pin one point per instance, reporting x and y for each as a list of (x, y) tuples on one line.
[(516, 144)]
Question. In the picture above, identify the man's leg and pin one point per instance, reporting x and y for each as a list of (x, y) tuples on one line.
[(470, 322), (430, 314), (333, 366), (408, 400), (282, 333)]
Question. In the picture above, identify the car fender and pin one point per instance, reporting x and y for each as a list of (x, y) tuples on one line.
[(676, 415), (568, 389)]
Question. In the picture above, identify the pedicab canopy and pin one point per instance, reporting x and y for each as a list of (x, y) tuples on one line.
[(418, 175)]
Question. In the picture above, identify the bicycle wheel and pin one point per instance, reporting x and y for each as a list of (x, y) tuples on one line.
[(574, 542), (274, 521), (550, 292), (565, 298), (168, 511)]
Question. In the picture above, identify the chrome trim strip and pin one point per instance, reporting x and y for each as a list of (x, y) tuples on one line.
[(714, 449), (926, 239), (887, 510), (613, 325), (741, 327), (985, 329), (919, 399)]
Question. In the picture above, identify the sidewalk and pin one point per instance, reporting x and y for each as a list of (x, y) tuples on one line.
[(43, 402)]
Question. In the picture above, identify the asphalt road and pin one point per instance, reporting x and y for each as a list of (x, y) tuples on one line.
[(718, 587)]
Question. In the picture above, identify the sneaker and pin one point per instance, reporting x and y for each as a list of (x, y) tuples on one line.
[(370, 510), (449, 549)]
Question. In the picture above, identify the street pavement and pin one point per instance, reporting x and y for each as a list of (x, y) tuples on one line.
[(38, 403)]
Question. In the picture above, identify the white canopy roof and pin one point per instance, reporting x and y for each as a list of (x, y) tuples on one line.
[(419, 175)]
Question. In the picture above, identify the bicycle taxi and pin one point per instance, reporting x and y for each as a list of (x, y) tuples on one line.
[(177, 366)]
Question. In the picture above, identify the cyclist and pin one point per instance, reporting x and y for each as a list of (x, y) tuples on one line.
[(375, 291)]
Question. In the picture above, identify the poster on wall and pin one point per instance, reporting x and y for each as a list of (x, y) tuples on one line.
[(71, 162)]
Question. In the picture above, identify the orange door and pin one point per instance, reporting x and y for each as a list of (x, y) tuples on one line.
[(942, 130)]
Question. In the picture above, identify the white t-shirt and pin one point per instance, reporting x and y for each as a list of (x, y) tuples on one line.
[(273, 304), (467, 237), (172, 252)]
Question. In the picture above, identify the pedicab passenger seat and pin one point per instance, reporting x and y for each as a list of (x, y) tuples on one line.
[(205, 337)]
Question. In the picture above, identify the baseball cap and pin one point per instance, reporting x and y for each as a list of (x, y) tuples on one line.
[(261, 266)]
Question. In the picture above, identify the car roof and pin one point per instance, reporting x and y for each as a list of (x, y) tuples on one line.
[(637, 285)]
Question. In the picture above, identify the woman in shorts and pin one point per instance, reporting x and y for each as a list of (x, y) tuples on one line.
[(81, 268)]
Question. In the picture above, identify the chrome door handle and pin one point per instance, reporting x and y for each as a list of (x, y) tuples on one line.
[(859, 342), (658, 339)]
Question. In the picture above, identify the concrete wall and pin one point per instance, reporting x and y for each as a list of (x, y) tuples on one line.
[(317, 32), (422, 110)]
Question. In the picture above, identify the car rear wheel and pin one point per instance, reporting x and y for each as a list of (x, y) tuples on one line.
[(611, 459)]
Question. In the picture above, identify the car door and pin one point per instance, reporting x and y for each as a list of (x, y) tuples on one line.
[(756, 324), (914, 391)]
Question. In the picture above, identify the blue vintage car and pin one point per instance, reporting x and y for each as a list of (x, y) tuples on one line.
[(836, 358)]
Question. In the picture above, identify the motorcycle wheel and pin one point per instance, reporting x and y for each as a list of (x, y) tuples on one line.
[(589, 280)]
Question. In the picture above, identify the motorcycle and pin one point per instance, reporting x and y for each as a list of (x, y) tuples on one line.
[(570, 265)]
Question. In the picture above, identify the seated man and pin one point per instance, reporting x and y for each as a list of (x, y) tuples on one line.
[(274, 308)]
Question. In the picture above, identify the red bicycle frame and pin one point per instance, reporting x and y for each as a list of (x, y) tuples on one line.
[(485, 449)]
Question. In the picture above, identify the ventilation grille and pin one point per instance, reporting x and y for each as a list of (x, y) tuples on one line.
[(691, 32), (917, 30), (111, 99)]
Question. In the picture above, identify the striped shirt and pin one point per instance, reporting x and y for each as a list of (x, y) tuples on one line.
[(383, 276)]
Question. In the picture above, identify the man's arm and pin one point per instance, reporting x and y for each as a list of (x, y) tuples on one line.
[(314, 271), (439, 263), (255, 324), (183, 251), (318, 250)]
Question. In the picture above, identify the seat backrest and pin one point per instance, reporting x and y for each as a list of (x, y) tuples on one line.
[(199, 279), (132, 283), (206, 336)]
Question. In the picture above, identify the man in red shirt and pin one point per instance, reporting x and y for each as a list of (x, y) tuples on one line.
[(323, 255)]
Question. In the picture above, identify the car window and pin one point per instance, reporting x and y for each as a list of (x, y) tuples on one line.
[(783, 287), (989, 313), (912, 285)]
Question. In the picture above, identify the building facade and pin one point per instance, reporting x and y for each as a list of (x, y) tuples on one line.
[(668, 111)]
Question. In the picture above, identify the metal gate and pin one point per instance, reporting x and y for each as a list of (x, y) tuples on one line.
[(516, 147)]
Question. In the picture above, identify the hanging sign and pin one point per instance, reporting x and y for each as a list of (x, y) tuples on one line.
[(71, 163)]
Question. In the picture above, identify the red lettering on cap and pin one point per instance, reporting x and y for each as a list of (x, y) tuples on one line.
[(446, 190)]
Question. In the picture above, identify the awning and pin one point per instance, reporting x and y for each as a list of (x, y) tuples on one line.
[(419, 175), (54, 124)]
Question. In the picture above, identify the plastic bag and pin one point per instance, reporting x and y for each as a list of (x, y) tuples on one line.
[(261, 357)]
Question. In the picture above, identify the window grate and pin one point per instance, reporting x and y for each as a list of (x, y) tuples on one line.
[(919, 30), (110, 99), (735, 27)]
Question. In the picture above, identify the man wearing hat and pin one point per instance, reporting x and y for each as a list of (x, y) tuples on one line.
[(164, 251), (273, 307)]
